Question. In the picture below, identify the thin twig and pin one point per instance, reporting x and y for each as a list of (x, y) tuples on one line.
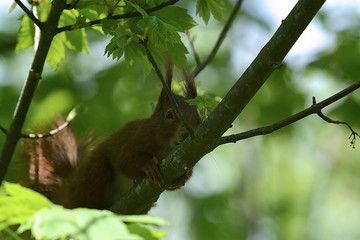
[(314, 109), (48, 134), (120, 16), (70, 117), (329, 120), (196, 55), (166, 87), (220, 39), (29, 13)]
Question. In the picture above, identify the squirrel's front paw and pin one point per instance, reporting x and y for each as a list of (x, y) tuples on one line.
[(151, 169)]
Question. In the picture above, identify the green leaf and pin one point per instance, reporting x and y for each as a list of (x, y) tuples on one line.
[(57, 51), (134, 52), (44, 10), (94, 12), (176, 17), (145, 219), (18, 204), (87, 3), (109, 26), (76, 40), (80, 224), (25, 37), (113, 50), (138, 8), (204, 7), (162, 33), (147, 233), (68, 17), (177, 51), (206, 104)]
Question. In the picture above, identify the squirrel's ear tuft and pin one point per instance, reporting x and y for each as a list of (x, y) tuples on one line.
[(190, 91), (163, 98), (168, 71)]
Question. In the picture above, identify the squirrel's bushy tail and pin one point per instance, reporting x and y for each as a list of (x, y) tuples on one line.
[(52, 159)]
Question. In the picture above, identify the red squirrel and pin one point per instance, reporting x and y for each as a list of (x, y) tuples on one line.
[(68, 173)]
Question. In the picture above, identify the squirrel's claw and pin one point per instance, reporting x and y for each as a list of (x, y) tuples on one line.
[(151, 169)]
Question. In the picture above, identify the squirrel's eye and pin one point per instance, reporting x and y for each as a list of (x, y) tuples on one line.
[(168, 115)]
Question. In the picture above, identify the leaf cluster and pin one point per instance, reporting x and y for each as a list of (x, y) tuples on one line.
[(161, 31), (32, 212), (160, 28)]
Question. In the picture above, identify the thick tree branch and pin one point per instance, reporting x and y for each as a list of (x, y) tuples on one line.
[(29, 13), (314, 109), (120, 16), (220, 39), (207, 135), (14, 133)]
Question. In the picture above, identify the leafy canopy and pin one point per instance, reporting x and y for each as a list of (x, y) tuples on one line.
[(127, 21)]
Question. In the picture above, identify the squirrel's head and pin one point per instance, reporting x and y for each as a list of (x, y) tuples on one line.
[(171, 131)]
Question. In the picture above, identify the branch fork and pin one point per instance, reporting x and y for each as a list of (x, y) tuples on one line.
[(329, 120)]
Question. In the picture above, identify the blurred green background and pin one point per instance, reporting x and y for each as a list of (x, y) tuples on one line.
[(301, 182)]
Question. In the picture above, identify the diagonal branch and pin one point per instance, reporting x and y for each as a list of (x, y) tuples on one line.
[(220, 39), (315, 108), (120, 16), (207, 135), (29, 13)]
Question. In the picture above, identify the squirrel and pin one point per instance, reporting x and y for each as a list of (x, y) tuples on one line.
[(64, 169)]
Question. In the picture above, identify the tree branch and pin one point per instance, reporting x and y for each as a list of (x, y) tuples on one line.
[(70, 117), (196, 56), (120, 16), (167, 89), (329, 120), (220, 39), (207, 135), (314, 109), (14, 133), (29, 13)]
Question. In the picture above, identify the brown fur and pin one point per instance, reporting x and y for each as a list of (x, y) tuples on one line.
[(131, 152)]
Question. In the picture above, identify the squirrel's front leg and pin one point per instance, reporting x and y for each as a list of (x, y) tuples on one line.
[(138, 164), (151, 169)]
